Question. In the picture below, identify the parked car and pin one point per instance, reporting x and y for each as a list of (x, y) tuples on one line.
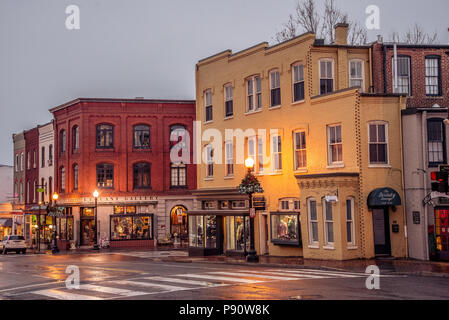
[(14, 243)]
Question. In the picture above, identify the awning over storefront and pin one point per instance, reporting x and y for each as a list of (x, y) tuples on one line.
[(6, 222), (57, 212), (384, 197)]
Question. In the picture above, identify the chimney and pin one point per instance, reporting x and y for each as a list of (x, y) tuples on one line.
[(341, 34), (379, 38)]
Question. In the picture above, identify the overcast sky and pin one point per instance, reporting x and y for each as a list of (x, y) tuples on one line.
[(144, 48)]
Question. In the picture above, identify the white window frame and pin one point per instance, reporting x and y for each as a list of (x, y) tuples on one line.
[(229, 158), (275, 85), (210, 161), (312, 243), (295, 81), (402, 77), (29, 161), (276, 153), (21, 161), (34, 191), (260, 154), (378, 164), (362, 75), (17, 163), (351, 222), (34, 159), (326, 222), (208, 103), (252, 141), (303, 149), (228, 96), (325, 60), (256, 93), (329, 145), (429, 77)]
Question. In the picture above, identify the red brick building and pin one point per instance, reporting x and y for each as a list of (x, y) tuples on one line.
[(423, 73), (121, 147), (31, 167)]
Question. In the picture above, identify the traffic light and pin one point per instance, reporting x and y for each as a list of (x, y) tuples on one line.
[(439, 181)]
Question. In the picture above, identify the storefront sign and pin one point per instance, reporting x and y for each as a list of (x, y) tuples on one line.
[(384, 197)]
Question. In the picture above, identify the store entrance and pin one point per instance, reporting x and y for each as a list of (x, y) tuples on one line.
[(87, 232), (178, 223), (442, 232), (381, 228)]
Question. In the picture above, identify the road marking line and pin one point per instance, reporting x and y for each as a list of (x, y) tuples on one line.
[(185, 281), (254, 274), (121, 292), (148, 285), (333, 274), (212, 277), (298, 276), (62, 295), (31, 286)]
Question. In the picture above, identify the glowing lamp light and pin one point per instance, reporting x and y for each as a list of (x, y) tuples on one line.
[(249, 163), (55, 196), (96, 194)]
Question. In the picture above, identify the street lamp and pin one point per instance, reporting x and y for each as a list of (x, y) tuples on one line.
[(96, 247), (55, 248), (249, 186)]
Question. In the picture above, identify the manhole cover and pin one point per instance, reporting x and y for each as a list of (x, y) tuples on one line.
[(307, 297)]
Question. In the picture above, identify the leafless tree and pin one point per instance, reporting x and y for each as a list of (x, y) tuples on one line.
[(414, 35), (307, 19)]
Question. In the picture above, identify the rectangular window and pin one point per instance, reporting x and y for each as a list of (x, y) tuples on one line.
[(433, 77), (75, 138), (141, 139), (350, 234), (229, 103), (105, 136), (335, 144), (356, 74), (229, 150), (28, 161), (378, 150), (43, 157), (142, 175), (105, 175), (300, 150), (17, 163), (237, 233), (326, 76), (254, 94), (196, 231), (328, 224), (403, 75), (131, 227), (21, 162), (252, 149), (436, 143), (285, 229), (313, 222), (298, 83), (50, 155), (275, 87), (276, 153), (178, 175), (62, 137), (208, 105), (34, 159), (260, 154), (210, 162)]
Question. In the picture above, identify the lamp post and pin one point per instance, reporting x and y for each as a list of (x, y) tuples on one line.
[(96, 247), (55, 248), (249, 186)]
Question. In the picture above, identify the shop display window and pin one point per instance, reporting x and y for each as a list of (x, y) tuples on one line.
[(237, 233), (285, 229), (135, 227), (88, 212), (65, 228), (211, 231), (124, 210), (196, 231)]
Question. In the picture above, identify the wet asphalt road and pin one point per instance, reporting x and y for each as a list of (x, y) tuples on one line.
[(106, 276)]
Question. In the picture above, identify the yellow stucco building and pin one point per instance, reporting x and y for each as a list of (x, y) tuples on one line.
[(327, 153)]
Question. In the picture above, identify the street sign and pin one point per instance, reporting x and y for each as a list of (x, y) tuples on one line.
[(252, 213), (41, 190)]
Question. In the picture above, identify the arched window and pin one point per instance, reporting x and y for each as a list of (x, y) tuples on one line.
[(75, 177), (141, 137), (62, 141), (62, 180), (142, 175), (350, 230), (105, 136), (75, 138)]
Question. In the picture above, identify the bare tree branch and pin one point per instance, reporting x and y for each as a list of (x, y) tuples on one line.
[(357, 34), (332, 16), (307, 16)]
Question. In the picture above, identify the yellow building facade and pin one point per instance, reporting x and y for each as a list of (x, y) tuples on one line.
[(327, 153)]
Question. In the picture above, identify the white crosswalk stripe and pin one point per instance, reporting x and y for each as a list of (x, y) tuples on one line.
[(151, 285)]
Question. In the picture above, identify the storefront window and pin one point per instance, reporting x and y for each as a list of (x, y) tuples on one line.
[(211, 231), (126, 227), (65, 228), (285, 229), (237, 233), (196, 231), (123, 209), (88, 212)]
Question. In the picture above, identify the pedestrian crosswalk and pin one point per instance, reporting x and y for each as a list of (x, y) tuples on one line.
[(154, 254), (153, 285)]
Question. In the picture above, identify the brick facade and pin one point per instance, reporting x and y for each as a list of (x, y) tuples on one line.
[(31, 172), (383, 72)]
